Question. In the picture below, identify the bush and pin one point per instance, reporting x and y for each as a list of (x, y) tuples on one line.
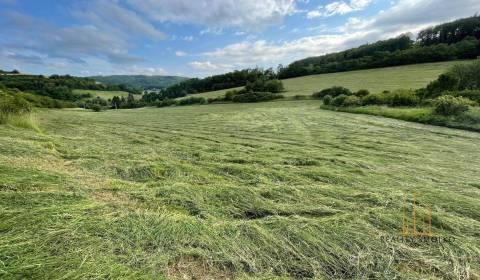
[(13, 105), (403, 98), (250, 97), (96, 107), (166, 103), (339, 100), (374, 99), (262, 85), (351, 101), (448, 105), (333, 92), (362, 93), (214, 99), (191, 101), (327, 100), (229, 95), (470, 94)]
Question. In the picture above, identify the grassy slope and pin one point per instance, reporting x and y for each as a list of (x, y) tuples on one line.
[(105, 94), (468, 121), (375, 80), (278, 188)]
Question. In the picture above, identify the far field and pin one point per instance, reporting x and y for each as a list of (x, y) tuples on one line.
[(273, 190), (375, 80), (105, 94)]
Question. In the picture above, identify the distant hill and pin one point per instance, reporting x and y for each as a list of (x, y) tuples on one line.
[(140, 81)]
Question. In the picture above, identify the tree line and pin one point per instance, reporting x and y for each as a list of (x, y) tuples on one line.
[(58, 86), (217, 82), (458, 39)]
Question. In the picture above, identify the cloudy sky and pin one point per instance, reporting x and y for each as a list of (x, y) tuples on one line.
[(199, 37)]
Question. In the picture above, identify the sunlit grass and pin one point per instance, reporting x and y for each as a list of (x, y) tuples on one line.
[(268, 190)]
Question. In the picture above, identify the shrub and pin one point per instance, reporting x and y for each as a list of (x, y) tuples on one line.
[(333, 92), (403, 98), (262, 85), (374, 99), (362, 93), (214, 99), (13, 105), (327, 100), (16, 111), (351, 101), (339, 100), (448, 105), (470, 94), (191, 101), (250, 97), (96, 107), (229, 95), (444, 82), (166, 102)]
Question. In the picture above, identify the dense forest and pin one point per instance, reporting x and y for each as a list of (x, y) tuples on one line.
[(454, 40), (58, 87), (140, 81)]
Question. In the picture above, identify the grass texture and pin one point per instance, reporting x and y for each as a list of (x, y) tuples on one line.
[(274, 190)]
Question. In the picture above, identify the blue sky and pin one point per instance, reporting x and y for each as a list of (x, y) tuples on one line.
[(197, 38)]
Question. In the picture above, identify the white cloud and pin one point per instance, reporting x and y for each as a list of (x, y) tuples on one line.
[(180, 53), (338, 8), (217, 14), (405, 16), (209, 66), (150, 71), (188, 38)]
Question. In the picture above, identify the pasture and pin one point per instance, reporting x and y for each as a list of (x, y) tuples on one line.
[(268, 190), (375, 80), (105, 94)]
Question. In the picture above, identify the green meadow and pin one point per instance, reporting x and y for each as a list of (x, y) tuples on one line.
[(274, 190), (375, 80), (104, 94)]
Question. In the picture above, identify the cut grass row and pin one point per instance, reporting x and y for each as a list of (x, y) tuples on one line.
[(266, 190)]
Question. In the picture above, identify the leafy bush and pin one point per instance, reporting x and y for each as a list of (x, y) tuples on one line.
[(470, 94), (459, 77), (448, 105), (351, 101), (166, 103), (229, 95), (327, 100), (262, 85), (215, 99), (96, 107), (13, 105), (250, 97), (339, 100), (374, 99), (362, 93), (403, 97), (333, 92), (191, 101)]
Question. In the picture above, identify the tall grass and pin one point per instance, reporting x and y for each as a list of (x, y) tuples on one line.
[(16, 111)]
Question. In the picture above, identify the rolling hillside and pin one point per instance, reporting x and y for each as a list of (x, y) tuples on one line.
[(140, 81), (375, 80), (274, 190)]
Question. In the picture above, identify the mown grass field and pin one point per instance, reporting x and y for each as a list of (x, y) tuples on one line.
[(375, 80), (105, 94), (267, 190)]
